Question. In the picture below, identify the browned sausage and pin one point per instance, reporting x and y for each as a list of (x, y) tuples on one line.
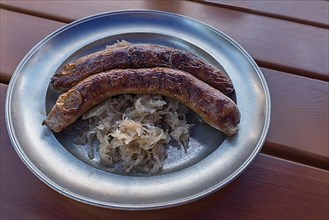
[(214, 107), (140, 56)]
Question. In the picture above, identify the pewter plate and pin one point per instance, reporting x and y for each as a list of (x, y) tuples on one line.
[(212, 160)]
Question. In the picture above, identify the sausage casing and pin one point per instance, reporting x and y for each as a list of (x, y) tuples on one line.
[(214, 107), (140, 56)]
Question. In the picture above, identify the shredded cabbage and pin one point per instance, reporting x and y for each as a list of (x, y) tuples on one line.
[(134, 130)]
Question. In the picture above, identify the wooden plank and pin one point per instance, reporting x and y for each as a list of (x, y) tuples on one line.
[(306, 12), (18, 34), (299, 122), (269, 188), (274, 43), (288, 137)]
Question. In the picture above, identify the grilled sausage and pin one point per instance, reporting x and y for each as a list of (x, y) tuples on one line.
[(140, 56), (214, 107)]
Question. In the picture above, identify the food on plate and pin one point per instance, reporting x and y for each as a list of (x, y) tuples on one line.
[(131, 131), (124, 55), (213, 106), (133, 100)]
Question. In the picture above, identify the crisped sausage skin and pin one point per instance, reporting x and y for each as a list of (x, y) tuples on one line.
[(140, 56), (214, 107)]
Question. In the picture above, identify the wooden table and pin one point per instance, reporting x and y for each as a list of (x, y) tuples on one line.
[(289, 41)]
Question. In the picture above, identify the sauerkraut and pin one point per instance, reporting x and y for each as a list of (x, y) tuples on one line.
[(134, 130)]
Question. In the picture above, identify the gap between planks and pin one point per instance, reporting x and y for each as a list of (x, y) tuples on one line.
[(35, 13), (283, 152), (261, 63), (4, 79), (262, 13), (231, 7)]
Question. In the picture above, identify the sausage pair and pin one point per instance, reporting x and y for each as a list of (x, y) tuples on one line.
[(140, 69)]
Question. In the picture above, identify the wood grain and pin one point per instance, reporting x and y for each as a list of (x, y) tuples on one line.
[(274, 43), (283, 40), (270, 188), (306, 12), (18, 34), (299, 122), (288, 137)]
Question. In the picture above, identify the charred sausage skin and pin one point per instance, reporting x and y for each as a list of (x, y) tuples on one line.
[(140, 56), (213, 106)]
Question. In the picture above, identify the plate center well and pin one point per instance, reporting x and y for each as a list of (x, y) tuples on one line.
[(203, 140)]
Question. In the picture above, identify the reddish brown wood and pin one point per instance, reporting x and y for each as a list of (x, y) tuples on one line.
[(269, 188), (307, 12), (288, 137), (18, 34), (274, 43), (299, 123)]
